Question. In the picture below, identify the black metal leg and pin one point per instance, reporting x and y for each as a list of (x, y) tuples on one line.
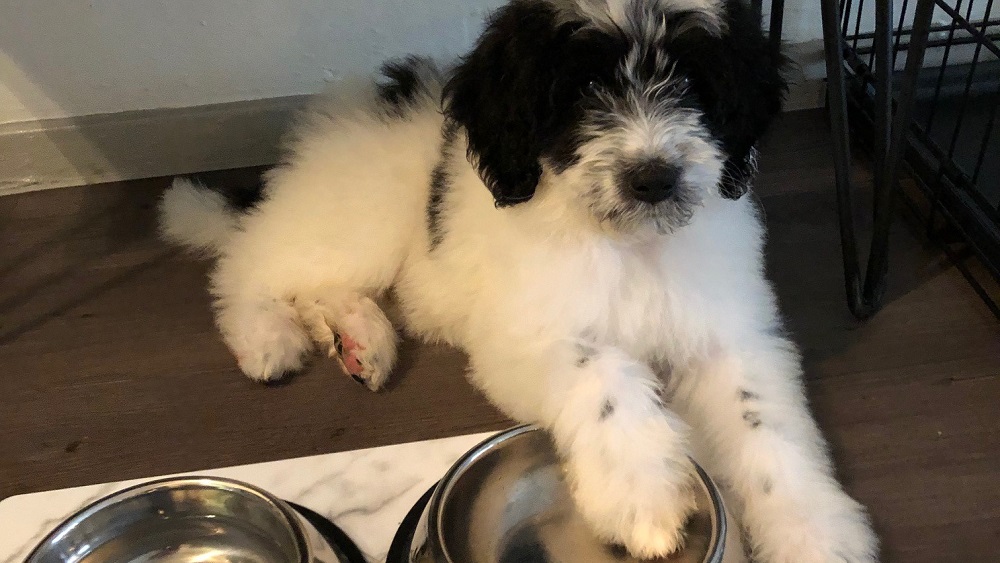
[(883, 93), (777, 21), (884, 173), (837, 104), (878, 262), (864, 300)]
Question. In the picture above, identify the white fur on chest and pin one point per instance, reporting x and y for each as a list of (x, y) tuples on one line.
[(499, 273)]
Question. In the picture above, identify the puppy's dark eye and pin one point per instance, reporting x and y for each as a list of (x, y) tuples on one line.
[(592, 86)]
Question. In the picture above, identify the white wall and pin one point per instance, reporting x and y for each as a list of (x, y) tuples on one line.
[(66, 58)]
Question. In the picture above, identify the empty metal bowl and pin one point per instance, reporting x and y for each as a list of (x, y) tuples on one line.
[(506, 501), (189, 519)]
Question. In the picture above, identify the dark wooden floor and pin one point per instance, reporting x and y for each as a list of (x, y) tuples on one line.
[(111, 368)]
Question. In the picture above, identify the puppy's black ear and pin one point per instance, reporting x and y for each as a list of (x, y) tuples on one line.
[(501, 94), (739, 81)]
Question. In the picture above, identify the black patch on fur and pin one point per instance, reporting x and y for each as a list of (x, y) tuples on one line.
[(244, 198), (517, 93), (617, 551), (240, 196), (767, 485), (739, 84), (402, 84), (746, 395), (752, 418), (440, 186), (607, 410), (585, 354)]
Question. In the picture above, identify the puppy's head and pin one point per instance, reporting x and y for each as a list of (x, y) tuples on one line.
[(637, 109)]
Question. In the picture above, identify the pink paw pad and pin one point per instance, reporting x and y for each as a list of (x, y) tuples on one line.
[(348, 351)]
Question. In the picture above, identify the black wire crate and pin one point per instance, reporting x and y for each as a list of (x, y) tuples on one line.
[(918, 83)]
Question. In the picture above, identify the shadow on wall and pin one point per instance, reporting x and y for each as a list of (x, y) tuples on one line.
[(127, 88)]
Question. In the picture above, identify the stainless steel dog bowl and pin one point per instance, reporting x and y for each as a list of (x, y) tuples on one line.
[(188, 519), (506, 501)]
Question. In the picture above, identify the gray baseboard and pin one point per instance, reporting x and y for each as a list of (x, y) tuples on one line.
[(161, 142), (142, 144)]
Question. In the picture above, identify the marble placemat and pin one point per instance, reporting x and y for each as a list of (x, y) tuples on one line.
[(365, 492)]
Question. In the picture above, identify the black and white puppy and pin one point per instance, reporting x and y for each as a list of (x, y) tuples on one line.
[(564, 205)]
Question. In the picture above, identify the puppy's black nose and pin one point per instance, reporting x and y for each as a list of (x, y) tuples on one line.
[(652, 182)]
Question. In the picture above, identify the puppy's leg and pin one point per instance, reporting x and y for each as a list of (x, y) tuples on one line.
[(353, 329), (626, 454), (263, 333), (750, 409)]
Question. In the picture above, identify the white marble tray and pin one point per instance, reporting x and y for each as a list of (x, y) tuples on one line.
[(365, 492)]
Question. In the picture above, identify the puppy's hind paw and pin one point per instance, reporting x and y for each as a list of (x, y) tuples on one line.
[(369, 367), (354, 331), (267, 341)]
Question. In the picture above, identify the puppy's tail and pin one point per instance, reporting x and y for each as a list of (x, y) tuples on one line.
[(200, 218)]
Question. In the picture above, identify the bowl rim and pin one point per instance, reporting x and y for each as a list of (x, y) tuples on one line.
[(133, 491), (435, 508)]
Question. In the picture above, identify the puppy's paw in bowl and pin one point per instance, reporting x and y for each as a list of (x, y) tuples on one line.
[(643, 510), (626, 455)]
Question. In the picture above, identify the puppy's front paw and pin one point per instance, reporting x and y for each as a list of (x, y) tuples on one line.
[(626, 455), (633, 482), (832, 528), (639, 501)]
